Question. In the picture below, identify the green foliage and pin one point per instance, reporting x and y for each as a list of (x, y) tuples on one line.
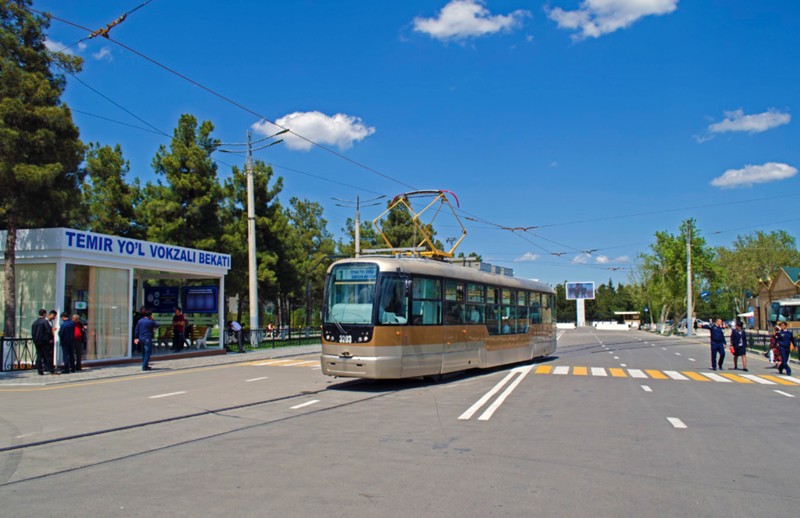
[(662, 272), (39, 146), (185, 211), (110, 201)]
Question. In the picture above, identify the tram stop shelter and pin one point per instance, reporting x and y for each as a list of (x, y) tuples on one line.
[(105, 278)]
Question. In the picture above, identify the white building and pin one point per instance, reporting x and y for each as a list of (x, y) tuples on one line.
[(103, 278)]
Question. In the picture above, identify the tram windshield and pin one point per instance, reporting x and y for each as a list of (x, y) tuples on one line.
[(351, 292)]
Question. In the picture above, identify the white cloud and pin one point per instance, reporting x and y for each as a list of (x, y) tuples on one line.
[(104, 53), (597, 17), (753, 174), (756, 123), (526, 257), (604, 259), (340, 130), (461, 19), (582, 258)]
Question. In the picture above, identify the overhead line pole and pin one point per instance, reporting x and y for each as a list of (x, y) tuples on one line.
[(251, 239), (689, 308)]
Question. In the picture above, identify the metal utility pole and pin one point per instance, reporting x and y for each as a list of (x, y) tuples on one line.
[(689, 308), (251, 224), (251, 238), (358, 218)]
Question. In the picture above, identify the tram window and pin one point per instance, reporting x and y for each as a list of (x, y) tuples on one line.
[(491, 295), (393, 306), (508, 298), (508, 324), (522, 312), (475, 313), (426, 304), (493, 319), (476, 293), (547, 315), (535, 315), (453, 303)]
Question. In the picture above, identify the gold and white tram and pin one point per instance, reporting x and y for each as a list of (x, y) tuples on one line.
[(401, 317)]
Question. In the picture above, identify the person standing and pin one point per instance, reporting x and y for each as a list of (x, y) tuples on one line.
[(786, 342), (144, 334), (236, 327), (739, 344), (717, 343), (66, 336), (137, 316), (42, 334), (178, 330), (78, 342)]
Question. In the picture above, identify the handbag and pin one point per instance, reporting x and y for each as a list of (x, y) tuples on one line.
[(733, 350)]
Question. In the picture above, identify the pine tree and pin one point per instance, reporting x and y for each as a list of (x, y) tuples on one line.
[(110, 201), (39, 146)]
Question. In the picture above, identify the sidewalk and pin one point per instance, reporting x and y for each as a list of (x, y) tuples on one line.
[(31, 378)]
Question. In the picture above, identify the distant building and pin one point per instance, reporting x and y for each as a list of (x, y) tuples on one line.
[(784, 285)]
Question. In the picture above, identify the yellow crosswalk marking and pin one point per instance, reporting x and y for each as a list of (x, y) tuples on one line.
[(736, 378), (580, 371), (658, 375), (618, 373), (544, 369), (778, 380), (695, 376)]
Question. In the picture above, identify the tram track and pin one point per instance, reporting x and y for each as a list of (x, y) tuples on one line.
[(17, 451)]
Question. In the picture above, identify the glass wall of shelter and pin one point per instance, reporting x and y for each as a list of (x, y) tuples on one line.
[(103, 279)]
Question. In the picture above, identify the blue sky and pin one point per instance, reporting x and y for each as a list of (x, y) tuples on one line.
[(598, 121)]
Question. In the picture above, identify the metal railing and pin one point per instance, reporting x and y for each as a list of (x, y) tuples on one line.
[(17, 354), (266, 338), (761, 342)]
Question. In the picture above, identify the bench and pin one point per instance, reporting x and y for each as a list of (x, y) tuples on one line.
[(196, 337)]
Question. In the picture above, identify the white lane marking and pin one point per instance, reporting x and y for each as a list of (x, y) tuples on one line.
[(652, 345), (255, 379), (636, 373), (295, 364), (791, 378), (268, 362), (307, 403), (559, 334), (646, 388), (486, 397), (677, 423), (677, 354), (623, 364), (599, 371), (610, 352), (499, 401), (692, 360), (716, 377), (757, 379), (616, 357), (782, 393), (663, 348), (676, 375), (561, 370), (168, 395)]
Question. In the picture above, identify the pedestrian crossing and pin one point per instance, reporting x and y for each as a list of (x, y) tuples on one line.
[(718, 377)]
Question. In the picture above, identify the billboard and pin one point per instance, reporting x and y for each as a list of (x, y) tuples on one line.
[(161, 299), (201, 299), (580, 290)]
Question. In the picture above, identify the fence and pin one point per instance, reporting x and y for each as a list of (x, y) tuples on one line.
[(266, 338), (18, 354), (761, 342)]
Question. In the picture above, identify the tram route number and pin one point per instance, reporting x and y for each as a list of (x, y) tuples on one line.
[(345, 339)]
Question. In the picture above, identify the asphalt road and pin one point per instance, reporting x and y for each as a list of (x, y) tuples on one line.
[(614, 424)]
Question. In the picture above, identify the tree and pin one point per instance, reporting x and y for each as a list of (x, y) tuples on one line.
[(270, 225), (663, 271), (753, 258), (185, 211), (110, 201), (40, 151)]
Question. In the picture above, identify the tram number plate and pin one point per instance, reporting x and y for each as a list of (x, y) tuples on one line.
[(345, 339)]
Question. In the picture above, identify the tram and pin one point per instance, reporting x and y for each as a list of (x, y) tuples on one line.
[(391, 317)]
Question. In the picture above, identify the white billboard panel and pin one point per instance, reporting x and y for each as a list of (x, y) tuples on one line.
[(580, 290)]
